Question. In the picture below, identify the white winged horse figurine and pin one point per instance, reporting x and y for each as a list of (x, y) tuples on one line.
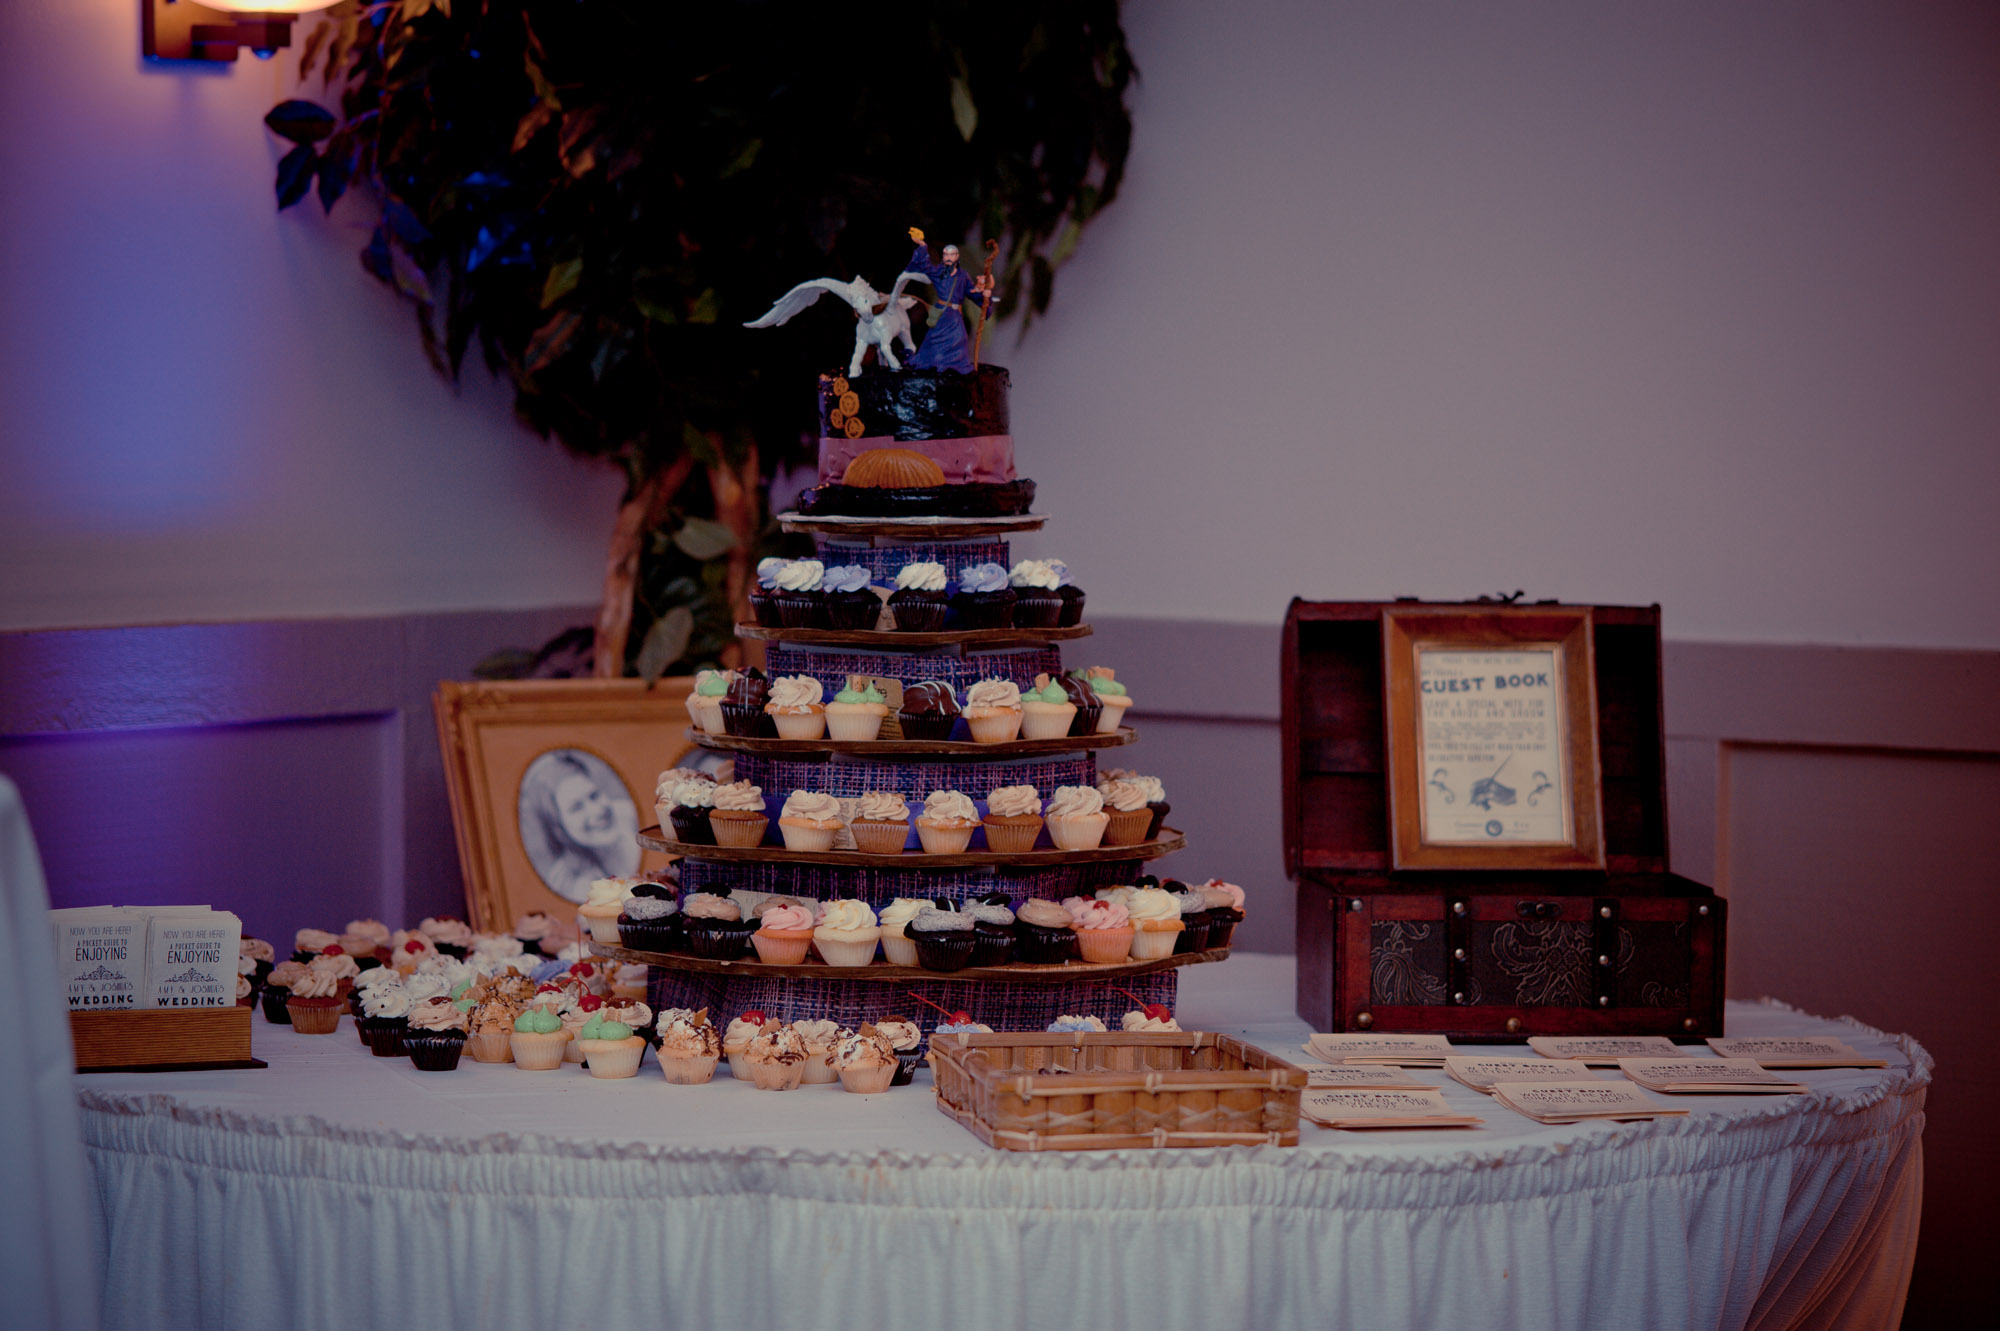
[(879, 321)]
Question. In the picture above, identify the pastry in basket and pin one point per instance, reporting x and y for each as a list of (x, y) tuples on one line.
[(1037, 602), (704, 701), (690, 1048), (716, 928), (1076, 818), (1152, 1017), (847, 933), (799, 604), (919, 602), (856, 713), (983, 599), (315, 1002), (783, 936), (1079, 1025), (611, 1048), (1042, 933), (846, 599), (993, 711), (945, 939), (738, 816), (1111, 695), (1072, 597), (737, 1039), (743, 708), (776, 1058), (881, 823), (1156, 916), (929, 711), (1013, 819), (945, 826), (795, 707), (906, 1038), (1126, 805), (1046, 711), (821, 1036), (650, 924), (538, 1040), (1103, 929), (764, 596), (809, 821), (1225, 905), (897, 946), (436, 1034), (865, 1061)]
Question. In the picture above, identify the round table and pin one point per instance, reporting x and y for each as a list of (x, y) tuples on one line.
[(338, 1190)]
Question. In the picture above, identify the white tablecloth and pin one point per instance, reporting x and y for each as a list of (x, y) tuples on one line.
[(340, 1190)]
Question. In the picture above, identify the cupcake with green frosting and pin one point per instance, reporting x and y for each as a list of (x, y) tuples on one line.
[(1111, 695), (1046, 710), (538, 1040), (704, 704), (610, 1048), (856, 712)]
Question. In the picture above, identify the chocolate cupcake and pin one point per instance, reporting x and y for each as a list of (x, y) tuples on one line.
[(992, 933), (274, 997), (846, 600), (691, 824), (648, 924), (1072, 597), (1038, 602), (1042, 934), (799, 603), (906, 1038), (983, 599), (715, 927), (764, 595), (919, 601), (945, 939), (1194, 916), (436, 1034), (1088, 708), (743, 707), (929, 711)]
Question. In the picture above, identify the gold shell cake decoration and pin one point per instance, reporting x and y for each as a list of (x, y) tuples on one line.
[(891, 468)]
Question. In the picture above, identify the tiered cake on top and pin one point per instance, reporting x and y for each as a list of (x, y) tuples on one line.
[(914, 735)]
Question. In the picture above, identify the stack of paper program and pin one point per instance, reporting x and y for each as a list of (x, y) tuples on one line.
[(1574, 1101), (1706, 1076), (1481, 1073), (118, 957), (1363, 1077), (1346, 1108), (1604, 1051), (1406, 1051), (1797, 1051)]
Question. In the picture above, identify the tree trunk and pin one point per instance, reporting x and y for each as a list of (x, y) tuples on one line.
[(736, 507), (639, 514)]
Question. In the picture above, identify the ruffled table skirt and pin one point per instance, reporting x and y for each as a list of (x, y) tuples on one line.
[(336, 1190)]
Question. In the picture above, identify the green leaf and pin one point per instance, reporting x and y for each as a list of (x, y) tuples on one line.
[(704, 308), (561, 281), (1066, 241), (300, 121), (295, 174), (743, 160), (666, 642), (704, 539), (963, 113), (550, 341)]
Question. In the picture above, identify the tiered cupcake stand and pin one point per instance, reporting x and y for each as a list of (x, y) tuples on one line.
[(1017, 996)]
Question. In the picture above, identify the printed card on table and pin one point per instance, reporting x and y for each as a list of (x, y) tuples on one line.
[(1604, 1051), (191, 958), (1707, 1076), (101, 957), (1346, 1108), (1363, 1076), (1796, 1051), (1410, 1051), (1481, 1073), (1570, 1101)]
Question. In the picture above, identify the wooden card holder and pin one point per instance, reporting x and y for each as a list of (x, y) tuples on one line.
[(162, 1040)]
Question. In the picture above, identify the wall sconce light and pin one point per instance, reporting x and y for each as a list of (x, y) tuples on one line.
[(217, 30)]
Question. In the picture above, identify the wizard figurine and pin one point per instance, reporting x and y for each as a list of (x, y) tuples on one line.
[(946, 347)]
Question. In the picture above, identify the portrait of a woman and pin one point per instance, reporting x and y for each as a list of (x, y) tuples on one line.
[(577, 822)]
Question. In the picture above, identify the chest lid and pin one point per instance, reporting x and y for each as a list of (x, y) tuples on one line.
[(1337, 744)]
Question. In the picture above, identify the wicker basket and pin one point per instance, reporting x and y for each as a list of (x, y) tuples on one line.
[(1063, 1091)]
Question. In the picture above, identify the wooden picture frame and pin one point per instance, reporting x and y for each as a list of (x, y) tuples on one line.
[(551, 782), (1473, 689)]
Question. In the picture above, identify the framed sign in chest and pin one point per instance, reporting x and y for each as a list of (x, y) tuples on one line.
[(1475, 817)]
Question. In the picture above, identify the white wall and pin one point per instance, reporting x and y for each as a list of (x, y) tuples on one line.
[(1695, 303)]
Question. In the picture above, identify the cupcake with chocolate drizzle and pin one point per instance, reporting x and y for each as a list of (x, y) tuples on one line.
[(743, 707), (929, 710)]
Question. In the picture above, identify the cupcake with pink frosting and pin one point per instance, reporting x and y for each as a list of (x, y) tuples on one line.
[(1103, 929), (784, 935)]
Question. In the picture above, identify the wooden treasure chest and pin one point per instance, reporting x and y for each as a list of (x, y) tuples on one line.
[(1476, 819)]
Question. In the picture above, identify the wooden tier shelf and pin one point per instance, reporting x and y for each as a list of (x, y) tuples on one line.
[(881, 972), (1168, 842), (912, 529), (896, 639), (909, 748)]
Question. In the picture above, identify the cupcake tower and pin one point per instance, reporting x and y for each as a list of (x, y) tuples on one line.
[(915, 742)]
